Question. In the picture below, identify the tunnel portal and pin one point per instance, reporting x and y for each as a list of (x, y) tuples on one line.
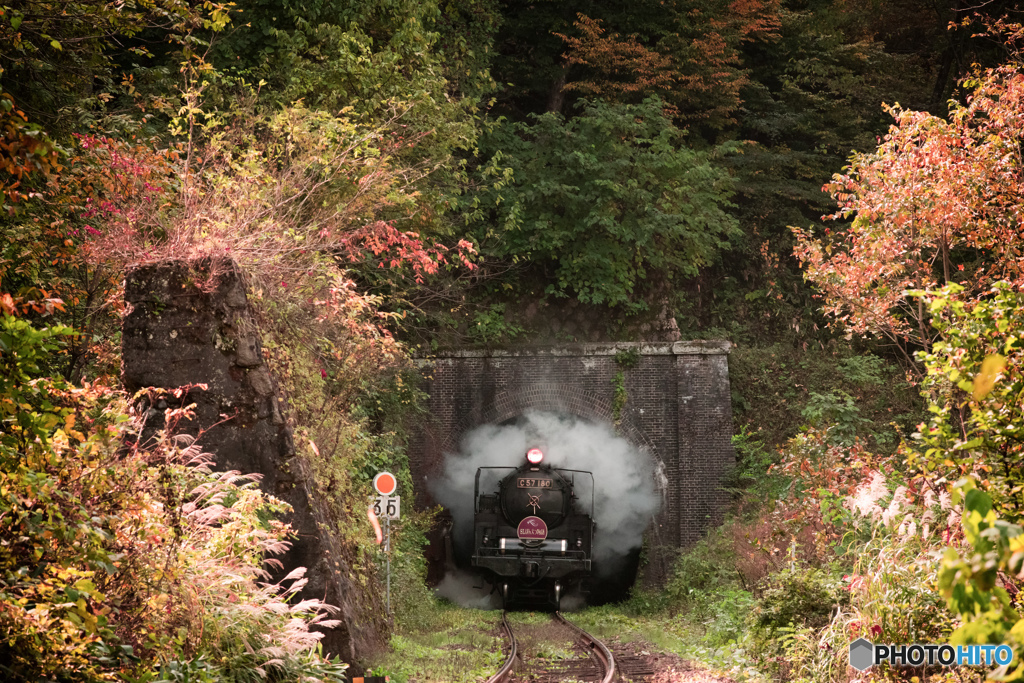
[(670, 399)]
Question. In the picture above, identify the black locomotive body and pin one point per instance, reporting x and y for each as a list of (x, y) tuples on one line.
[(533, 535)]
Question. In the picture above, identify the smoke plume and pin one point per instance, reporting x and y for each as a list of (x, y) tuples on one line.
[(624, 492)]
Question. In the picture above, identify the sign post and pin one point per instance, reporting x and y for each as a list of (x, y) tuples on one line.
[(389, 507), (387, 554)]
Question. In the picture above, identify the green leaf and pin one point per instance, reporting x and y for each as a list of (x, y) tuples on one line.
[(978, 501)]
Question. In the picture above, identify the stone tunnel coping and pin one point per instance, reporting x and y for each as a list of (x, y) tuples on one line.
[(686, 348)]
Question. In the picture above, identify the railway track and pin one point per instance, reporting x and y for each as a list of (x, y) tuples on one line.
[(505, 672), (599, 665)]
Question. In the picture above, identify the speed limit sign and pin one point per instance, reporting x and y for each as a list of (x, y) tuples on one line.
[(387, 507)]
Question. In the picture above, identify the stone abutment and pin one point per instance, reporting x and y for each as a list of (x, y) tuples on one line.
[(178, 334)]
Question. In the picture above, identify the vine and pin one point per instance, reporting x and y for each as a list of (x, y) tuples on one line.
[(625, 359), (620, 396)]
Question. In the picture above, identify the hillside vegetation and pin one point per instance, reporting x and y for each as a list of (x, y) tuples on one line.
[(834, 186)]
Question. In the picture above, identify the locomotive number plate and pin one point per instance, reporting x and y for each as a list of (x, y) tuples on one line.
[(533, 483)]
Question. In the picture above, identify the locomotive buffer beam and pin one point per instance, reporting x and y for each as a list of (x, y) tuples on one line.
[(531, 567)]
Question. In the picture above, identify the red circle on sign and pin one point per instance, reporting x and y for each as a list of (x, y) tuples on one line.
[(385, 483), (532, 528)]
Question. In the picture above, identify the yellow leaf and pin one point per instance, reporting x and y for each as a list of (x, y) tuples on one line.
[(985, 380)]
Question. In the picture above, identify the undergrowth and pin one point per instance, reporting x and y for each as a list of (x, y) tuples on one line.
[(444, 644), (777, 389), (129, 559)]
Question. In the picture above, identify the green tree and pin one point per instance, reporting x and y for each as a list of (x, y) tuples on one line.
[(63, 62), (606, 200), (812, 93), (969, 578), (371, 58), (975, 378), (974, 438)]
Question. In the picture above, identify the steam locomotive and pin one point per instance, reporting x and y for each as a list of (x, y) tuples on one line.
[(533, 535)]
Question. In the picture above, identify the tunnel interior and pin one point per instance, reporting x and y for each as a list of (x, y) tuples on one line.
[(624, 490)]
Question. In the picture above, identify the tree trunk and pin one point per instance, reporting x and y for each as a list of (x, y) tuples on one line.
[(949, 55), (945, 258), (556, 96)]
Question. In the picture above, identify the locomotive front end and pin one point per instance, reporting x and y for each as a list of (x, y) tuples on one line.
[(533, 535)]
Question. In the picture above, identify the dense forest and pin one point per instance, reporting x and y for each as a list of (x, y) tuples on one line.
[(835, 186)]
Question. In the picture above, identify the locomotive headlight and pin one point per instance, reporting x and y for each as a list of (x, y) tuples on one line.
[(534, 455)]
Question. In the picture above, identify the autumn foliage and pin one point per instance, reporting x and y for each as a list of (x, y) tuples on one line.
[(624, 70), (24, 150), (939, 201), (127, 560), (694, 66)]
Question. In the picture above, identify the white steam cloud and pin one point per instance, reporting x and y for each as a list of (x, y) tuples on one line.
[(625, 494), (467, 590)]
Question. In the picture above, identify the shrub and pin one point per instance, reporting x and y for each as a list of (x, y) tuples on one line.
[(894, 595), (798, 596), (118, 559), (701, 569)]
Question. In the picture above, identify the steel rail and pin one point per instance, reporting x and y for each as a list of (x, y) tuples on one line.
[(506, 669), (599, 649)]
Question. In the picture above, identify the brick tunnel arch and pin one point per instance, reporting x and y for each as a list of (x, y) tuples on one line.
[(551, 397), (589, 406), (558, 398), (677, 409)]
